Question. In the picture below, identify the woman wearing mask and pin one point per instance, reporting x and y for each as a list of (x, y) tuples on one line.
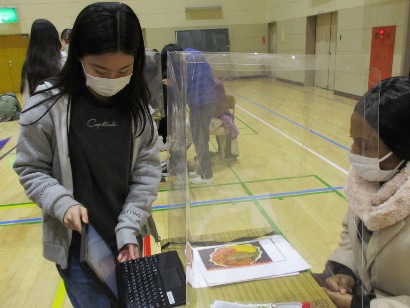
[(65, 43), (88, 149), (371, 267)]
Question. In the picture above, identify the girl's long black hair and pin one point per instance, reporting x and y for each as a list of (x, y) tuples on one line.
[(43, 57), (107, 27)]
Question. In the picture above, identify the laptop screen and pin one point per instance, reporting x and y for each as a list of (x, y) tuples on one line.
[(97, 256)]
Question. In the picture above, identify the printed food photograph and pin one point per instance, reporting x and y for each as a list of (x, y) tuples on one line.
[(231, 256), (236, 255)]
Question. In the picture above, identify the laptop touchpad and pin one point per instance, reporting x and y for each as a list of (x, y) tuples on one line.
[(171, 279)]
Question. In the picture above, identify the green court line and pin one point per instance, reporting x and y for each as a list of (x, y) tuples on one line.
[(328, 185), (260, 199), (21, 223), (258, 206), (255, 181), (246, 125)]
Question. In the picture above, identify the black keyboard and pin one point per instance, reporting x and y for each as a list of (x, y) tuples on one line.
[(145, 288)]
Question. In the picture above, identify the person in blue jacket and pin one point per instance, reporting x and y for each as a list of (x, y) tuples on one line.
[(202, 99)]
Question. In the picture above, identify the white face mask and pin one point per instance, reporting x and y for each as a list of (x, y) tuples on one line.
[(105, 86), (369, 169)]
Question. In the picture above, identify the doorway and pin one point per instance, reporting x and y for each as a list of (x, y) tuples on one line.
[(272, 37), (325, 44), (272, 44), (13, 50)]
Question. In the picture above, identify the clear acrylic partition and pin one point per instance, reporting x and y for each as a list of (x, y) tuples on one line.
[(275, 162), (153, 77)]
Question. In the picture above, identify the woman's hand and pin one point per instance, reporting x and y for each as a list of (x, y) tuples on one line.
[(340, 300), (75, 217), (128, 252), (340, 283), (339, 288)]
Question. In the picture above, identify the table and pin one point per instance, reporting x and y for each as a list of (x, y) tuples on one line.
[(300, 288)]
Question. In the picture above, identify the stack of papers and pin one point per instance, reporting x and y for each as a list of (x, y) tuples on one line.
[(222, 304), (244, 261)]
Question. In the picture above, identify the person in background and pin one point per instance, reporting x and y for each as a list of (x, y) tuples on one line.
[(162, 127), (165, 143), (371, 267), (43, 57), (153, 78), (223, 117), (202, 102), (65, 43), (88, 148), (10, 107)]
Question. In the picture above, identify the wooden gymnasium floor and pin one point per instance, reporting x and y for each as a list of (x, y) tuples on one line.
[(293, 162)]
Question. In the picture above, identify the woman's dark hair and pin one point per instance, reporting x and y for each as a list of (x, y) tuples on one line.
[(66, 35), (43, 57), (108, 27), (167, 48), (386, 107)]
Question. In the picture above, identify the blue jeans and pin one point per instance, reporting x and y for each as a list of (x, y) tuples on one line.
[(82, 289)]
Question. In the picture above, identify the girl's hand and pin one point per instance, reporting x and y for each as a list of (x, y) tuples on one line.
[(128, 252), (75, 217)]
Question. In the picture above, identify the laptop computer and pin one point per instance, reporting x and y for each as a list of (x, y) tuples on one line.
[(152, 281)]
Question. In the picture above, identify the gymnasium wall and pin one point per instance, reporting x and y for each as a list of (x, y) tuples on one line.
[(246, 20), (356, 18)]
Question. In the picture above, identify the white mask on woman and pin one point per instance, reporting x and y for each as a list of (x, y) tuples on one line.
[(105, 86), (369, 169)]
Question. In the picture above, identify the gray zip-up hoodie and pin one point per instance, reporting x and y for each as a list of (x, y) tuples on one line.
[(43, 165)]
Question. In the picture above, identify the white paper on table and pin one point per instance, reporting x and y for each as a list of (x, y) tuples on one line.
[(222, 304), (194, 277), (284, 260), (196, 280)]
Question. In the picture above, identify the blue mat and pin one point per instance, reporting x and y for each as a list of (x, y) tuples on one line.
[(4, 142)]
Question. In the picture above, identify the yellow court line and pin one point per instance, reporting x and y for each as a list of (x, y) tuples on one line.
[(60, 295), (16, 206)]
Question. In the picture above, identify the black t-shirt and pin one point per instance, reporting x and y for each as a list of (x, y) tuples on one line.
[(100, 145)]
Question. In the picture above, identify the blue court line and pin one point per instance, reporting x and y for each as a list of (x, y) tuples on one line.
[(267, 196), (20, 221), (193, 204), (249, 198), (293, 122)]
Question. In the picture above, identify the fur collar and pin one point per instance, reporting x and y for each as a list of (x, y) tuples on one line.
[(379, 207)]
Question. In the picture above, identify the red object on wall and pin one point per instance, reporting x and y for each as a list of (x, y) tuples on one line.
[(263, 40), (381, 54)]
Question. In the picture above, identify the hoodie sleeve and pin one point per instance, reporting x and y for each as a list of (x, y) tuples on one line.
[(36, 157), (143, 189)]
